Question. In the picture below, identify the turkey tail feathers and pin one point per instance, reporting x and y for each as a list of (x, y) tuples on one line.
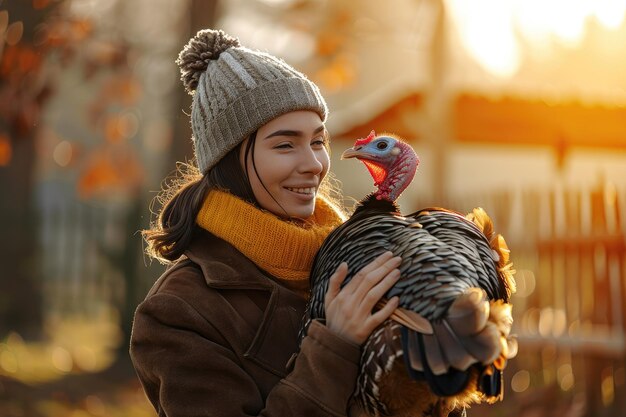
[(475, 332), (408, 318), (498, 245), (446, 385), (468, 314)]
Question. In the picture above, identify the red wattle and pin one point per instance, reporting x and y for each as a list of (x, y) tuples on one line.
[(378, 172)]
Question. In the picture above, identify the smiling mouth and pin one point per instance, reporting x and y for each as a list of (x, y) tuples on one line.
[(305, 191)]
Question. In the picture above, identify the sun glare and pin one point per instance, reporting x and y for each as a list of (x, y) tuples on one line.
[(490, 30), (568, 19), (610, 13)]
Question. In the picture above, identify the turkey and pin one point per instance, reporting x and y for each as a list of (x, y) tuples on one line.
[(446, 345)]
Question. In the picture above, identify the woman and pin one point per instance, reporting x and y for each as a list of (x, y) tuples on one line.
[(217, 333)]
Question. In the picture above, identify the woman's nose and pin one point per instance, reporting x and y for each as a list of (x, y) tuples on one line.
[(310, 162)]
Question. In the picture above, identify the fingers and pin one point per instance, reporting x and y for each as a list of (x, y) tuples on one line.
[(376, 263), (365, 282), (383, 314), (376, 293), (334, 283), (349, 309)]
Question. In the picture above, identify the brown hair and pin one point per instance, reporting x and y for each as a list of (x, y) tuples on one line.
[(182, 196), (184, 192)]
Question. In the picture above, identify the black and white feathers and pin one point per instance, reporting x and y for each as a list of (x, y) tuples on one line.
[(448, 341)]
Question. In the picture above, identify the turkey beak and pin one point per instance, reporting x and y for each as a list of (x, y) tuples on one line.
[(351, 153)]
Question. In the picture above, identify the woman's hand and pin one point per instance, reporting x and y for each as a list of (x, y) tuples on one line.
[(349, 309)]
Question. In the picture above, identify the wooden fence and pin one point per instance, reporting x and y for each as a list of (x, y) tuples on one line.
[(79, 248)]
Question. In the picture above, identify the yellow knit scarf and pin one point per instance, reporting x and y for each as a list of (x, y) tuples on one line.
[(282, 248)]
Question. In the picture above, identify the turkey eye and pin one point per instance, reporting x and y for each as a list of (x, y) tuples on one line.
[(381, 145)]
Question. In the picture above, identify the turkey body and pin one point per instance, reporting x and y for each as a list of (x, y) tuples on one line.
[(453, 276)]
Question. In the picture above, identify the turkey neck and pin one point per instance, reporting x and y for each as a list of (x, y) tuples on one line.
[(399, 175), (372, 205)]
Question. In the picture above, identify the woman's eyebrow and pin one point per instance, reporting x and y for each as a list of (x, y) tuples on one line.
[(296, 133)]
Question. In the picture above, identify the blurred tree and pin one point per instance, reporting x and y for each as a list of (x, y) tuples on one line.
[(23, 93), (39, 37), (202, 15)]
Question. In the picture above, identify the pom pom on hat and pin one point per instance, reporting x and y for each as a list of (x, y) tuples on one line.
[(194, 59)]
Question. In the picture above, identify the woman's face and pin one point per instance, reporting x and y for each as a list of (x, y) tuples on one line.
[(290, 159)]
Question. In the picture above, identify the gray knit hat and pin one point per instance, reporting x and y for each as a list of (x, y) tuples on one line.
[(235, 91)]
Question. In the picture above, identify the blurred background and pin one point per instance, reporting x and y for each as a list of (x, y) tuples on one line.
[(515, 106)]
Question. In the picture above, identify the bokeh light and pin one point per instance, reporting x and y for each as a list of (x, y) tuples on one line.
[(14, 33), (95, 406), (565, 377), (5, 150), (8, 361), (520, 381), (62, 153), (61, 359), (608, 386)]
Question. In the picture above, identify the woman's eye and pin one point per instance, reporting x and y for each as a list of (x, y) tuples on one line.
[(283, 146), (321, 141)]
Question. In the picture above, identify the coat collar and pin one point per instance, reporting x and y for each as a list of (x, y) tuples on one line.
[(223, 266)]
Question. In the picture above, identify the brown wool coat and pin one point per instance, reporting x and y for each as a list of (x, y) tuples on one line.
[(214, 337)]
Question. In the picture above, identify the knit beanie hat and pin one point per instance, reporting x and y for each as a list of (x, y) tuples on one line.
[(235, 91)]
